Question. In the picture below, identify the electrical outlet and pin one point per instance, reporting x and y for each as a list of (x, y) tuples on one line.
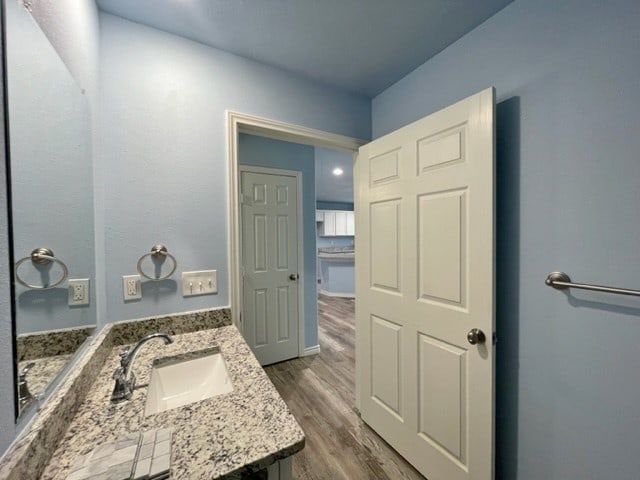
[(203, 282), (131, 287), (78, 291)]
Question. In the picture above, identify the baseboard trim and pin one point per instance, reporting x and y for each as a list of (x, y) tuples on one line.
[(338, 294), (311, 351)]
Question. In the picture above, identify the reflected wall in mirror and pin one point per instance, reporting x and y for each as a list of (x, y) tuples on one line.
[(52, 205)]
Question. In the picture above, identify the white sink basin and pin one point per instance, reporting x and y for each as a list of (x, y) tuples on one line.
[(187, 378)]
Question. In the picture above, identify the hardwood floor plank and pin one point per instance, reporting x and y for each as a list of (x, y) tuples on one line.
[(320, 392)]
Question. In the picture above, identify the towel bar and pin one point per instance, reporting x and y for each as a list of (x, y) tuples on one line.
[(560, 281)]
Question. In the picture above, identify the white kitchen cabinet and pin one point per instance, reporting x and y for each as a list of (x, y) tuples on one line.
[(329, 225), (351, 224), (336, 223), (341, 224)]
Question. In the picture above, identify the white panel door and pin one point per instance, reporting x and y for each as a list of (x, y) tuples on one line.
[(270, 264), (424, 280)]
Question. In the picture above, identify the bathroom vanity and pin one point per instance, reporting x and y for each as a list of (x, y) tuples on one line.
[(238, 434)]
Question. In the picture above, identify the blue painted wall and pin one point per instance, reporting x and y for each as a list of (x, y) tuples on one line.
[(321, 205), (566, 75), (163, 101), (265, 152)]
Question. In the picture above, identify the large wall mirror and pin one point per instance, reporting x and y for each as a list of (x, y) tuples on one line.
[(52, 208)]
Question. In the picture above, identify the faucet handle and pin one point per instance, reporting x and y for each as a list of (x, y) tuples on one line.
[(124, 356), (118, 373), (25, 370)]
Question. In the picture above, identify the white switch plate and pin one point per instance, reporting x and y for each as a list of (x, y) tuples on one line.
[(78, 291), (131, 287), (202, 282)]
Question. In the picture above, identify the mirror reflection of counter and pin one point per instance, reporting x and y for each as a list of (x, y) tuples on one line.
[(337, 271), (41, 358)]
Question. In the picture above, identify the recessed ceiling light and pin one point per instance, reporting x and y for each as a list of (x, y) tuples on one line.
[(337, 171)]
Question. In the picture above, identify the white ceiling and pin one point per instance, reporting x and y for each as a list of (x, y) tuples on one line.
[(362, 46), (329, 187)]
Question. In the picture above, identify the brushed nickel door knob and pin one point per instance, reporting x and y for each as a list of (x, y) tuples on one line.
[(476, 336), (293, 276)]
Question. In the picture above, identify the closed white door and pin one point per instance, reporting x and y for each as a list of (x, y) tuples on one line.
[(425, 289), (270, 243)]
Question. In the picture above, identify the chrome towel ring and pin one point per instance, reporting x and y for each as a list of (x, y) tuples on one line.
[(42, 256), (157, 251)]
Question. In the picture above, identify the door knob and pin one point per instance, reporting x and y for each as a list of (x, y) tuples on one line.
[(475, 336), (294, 276)]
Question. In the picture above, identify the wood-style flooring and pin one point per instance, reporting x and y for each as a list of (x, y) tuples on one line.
[(320, 392)]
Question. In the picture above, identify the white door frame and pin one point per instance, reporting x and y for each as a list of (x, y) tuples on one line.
[(245, 123), (299, 217)]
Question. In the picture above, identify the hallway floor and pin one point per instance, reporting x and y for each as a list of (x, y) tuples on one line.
[(320, 391)]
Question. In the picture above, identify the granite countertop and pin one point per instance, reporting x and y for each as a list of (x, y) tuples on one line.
[(337, 256), (43, 372), (345, 249), (221, 437), (337, 253)]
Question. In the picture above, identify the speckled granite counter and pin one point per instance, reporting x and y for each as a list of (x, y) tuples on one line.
[(221, 437), (43, 371)]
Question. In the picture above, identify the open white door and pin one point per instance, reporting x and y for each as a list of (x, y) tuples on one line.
[(424, 284), (270, 219)]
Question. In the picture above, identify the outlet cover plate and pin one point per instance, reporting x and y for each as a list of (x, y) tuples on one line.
[(131, 289), (78, 292), (201, 282)]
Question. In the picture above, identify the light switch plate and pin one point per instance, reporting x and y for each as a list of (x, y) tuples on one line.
[(78, 292), (202, 282), (131, 287)]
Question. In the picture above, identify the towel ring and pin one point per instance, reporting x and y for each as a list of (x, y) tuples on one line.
[(42, 256), (157, 251)]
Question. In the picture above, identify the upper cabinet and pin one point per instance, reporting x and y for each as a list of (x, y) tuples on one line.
[(351, 223), (328, 227), (335, 223)]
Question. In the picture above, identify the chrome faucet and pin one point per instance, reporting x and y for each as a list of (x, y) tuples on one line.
[(124, 377), (24, 395)]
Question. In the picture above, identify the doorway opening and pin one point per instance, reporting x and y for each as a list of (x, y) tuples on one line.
[(239, 125), (335, 219)]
